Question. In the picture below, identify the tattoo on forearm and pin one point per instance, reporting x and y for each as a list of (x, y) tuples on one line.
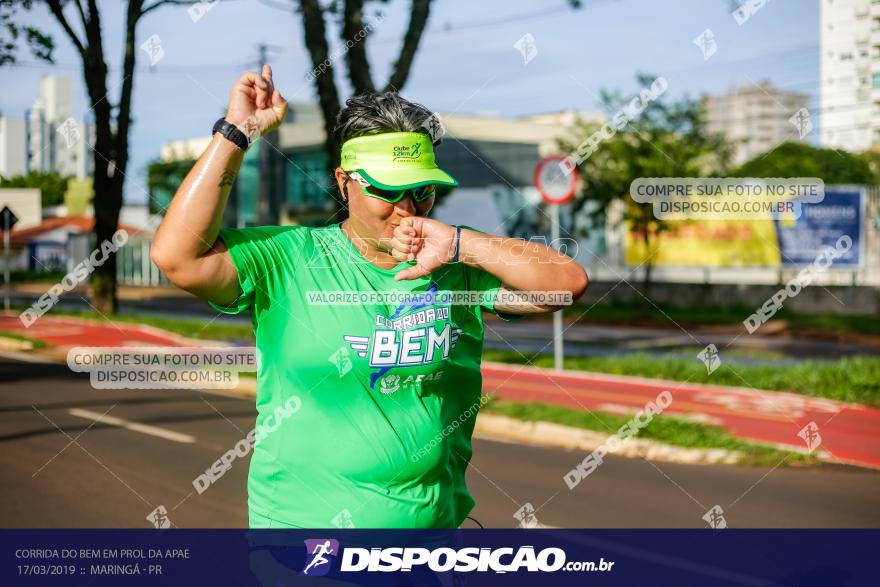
[(228, 178)]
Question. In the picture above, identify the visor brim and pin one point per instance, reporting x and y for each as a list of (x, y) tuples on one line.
[(397, 179)]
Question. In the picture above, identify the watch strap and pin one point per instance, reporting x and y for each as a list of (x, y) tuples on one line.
[(232, 133)]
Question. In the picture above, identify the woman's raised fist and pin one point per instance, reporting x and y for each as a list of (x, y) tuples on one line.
[(255, 106)]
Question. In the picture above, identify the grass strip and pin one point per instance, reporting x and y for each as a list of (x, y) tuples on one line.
[(664, 429), (37, 344)]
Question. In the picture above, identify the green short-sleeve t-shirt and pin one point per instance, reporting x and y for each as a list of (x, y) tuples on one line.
[(389, 391)]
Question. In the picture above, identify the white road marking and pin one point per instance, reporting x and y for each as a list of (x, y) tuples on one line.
[(145, 428)]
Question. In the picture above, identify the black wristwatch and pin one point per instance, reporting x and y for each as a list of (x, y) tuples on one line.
[(231, 132)]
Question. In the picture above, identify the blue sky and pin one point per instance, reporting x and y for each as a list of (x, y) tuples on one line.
[(467, 62)]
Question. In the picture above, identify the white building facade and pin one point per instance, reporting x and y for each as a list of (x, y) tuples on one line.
[(55, 140), (12, 147), (850, 73), (49, 138), (759, 117)]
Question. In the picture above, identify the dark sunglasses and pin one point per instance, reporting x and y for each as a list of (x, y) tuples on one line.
[(419, 194)]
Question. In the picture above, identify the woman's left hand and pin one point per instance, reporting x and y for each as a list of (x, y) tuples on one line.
[(428, 242)]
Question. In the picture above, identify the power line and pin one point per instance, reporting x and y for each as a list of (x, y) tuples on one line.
[(448, 27), (495, 22), (278, 5)]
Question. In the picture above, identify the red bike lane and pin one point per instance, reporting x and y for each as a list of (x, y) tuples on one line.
[(847, 433), (65, 331)]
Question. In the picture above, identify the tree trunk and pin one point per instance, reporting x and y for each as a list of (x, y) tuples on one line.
[(356, 56), (328, 97), (649, 265), (108, 169), (108, 202), (111, 146), (418, 17)]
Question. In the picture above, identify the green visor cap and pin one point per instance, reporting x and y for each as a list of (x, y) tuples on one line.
[(394, 160)]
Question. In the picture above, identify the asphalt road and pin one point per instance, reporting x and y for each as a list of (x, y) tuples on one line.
[(60, 469)]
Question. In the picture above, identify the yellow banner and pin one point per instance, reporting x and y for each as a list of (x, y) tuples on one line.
[(707, 243), (78, 197)]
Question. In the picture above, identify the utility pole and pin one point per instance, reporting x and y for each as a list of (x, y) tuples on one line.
[(556, 183), (270, 190), (8, 220)]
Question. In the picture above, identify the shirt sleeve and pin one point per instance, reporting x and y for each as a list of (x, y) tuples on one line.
[(258, 254), (487, 283)]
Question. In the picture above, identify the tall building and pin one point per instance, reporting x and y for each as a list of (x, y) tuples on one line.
[(758, 117), (850, 94), (12, 147), (55, 140)]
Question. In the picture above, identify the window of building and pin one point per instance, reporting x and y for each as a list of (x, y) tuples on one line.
[(307, 182), (247, 187)]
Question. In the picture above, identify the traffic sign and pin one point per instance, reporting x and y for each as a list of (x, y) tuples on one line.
[(556, 186), (7, 218), (7, 221)]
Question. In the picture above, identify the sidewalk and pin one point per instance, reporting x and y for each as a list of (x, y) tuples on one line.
[(848, 433)]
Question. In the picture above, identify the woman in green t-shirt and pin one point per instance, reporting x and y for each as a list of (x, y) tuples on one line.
[(369, 330)]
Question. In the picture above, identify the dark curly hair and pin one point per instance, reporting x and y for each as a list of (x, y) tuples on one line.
[(373, 113)]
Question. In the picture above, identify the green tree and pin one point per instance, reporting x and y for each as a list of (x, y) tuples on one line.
[(872, 158), (40, 44), (648, 135), (803, 160), (163, 179), (82, 25), (52, 185)]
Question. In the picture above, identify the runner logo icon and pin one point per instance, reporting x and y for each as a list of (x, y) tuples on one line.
[(318, 553)]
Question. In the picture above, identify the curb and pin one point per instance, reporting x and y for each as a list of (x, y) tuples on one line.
[(13, 344)]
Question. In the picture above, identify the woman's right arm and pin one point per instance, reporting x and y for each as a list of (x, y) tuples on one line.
[(186, 247)]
